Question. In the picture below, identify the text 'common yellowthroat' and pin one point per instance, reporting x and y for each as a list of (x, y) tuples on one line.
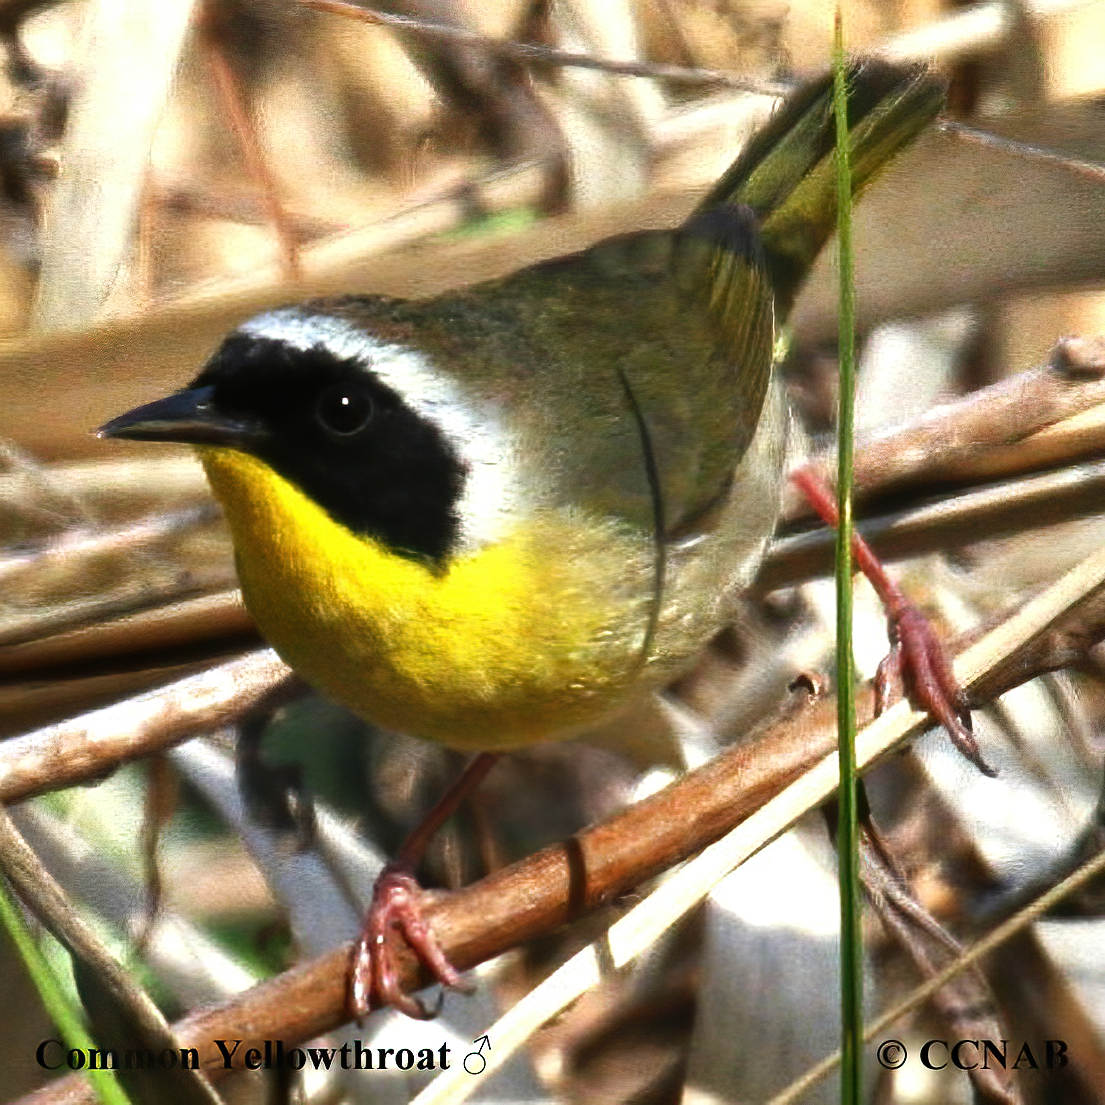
[(495, 516)]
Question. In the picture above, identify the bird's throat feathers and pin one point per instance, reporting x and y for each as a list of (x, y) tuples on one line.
[(481, 652)]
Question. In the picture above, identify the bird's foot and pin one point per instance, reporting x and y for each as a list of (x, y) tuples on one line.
[(396, 912), (919, 661), (917, 657)]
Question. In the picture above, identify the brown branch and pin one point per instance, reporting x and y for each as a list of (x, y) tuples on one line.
[(533, 897), (90, 746), (65, 552), (1066, 644), (185, 198), (1092, 170), (109, 490), (1070, 642), (85, 610), (1050, 416), (31, 703), (964, 1005), (1010, 936), (997, 431), (998, 510), (147, 635)]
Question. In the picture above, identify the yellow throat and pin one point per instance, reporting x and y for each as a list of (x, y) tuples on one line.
[(516, 642)]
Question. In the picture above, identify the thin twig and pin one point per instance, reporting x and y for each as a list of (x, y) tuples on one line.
[(46, 899), (1009, 428), (968, 959), (185, 198), (217, 618), (968, 1009), (1000, 509), (109, 488), (547, 55), (229, 91), (72, 546), (1092, 170), (980, 27)]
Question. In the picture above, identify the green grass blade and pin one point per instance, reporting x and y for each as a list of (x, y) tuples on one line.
[(851, 937), (61, 1012)]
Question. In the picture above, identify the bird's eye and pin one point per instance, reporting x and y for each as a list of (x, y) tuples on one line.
[(344, 409)]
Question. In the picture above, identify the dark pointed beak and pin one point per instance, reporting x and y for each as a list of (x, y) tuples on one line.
[(189, 416)]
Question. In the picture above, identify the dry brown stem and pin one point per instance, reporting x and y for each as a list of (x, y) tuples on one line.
[(114, 985), (220, 616), (1003, 430), (1047, 418), (31, 703), (232, 100), (996, 510), (69, 550), (539, 894), (89, 746)]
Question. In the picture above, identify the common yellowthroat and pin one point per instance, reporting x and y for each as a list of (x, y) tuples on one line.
[(500, 515)]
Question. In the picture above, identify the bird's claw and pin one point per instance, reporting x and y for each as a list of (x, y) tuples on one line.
[(918, 659), (916, 655), (396, 909)]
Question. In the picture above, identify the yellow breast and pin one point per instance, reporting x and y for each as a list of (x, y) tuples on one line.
[(520, 641)]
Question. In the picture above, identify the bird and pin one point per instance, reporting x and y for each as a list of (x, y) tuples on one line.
[(504, 514)]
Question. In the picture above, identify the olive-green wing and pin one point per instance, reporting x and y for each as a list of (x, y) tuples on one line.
[(635, 372)]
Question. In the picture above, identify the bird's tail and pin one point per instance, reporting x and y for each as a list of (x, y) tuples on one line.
[(746, 249), (787, 173)]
